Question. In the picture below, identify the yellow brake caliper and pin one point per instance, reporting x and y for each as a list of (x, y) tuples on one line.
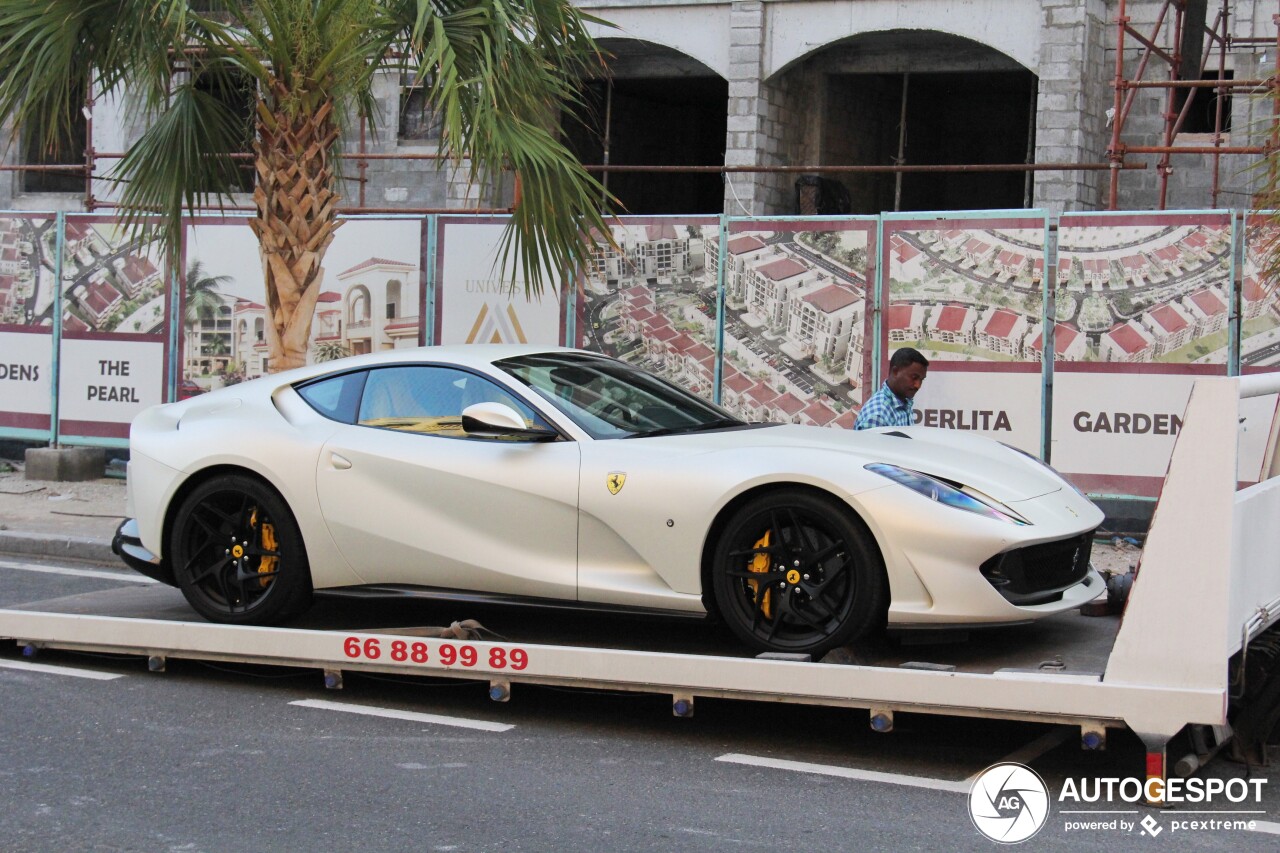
[(267, 535), (759, 564)]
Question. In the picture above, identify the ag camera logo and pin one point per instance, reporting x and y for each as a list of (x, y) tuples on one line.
[(1009, 803)]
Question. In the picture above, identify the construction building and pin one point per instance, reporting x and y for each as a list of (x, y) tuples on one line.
[(769, 107)]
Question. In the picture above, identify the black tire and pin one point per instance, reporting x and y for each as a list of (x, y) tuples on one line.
[(795, 572), (237, 554)]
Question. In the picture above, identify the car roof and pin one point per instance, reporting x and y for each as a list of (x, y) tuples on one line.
[(467, 355), (476, 356)]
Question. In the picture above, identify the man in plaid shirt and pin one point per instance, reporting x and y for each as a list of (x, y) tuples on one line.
[(891, 406)]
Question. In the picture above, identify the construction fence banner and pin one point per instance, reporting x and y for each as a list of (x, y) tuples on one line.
[(783, 319), (1141, 310), (798, 299), (968, 293), (480, 298), (29, 270), (26, 383), (370, 298), (113, 323)]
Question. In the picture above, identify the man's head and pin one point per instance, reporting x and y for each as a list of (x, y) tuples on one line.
[(907, 370)]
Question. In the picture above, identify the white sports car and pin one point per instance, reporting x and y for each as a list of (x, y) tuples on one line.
[(521, 473)]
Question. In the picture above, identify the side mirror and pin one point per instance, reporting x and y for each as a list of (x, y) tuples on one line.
[(498, 420)]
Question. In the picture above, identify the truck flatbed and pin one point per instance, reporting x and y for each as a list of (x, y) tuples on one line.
[(1207, 588)]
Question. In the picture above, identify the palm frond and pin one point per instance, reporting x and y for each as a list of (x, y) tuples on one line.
[(181, 162), (497, 72), (54, 52)]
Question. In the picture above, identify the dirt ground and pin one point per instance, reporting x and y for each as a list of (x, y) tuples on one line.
[(1110, 557), (90, 509)]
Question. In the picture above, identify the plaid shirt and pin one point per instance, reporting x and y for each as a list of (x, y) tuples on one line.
[(885, 409)]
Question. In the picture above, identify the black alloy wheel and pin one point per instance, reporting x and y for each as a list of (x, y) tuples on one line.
[(795, 572), (237, 554)]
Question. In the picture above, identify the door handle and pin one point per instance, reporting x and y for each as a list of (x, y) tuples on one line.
[(339, 462)]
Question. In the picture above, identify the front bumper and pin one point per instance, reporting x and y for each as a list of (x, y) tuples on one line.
[(1041, 573), (128, 546)]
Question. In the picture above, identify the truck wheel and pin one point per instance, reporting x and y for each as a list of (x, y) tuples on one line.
[(237, 554), (794, 572)]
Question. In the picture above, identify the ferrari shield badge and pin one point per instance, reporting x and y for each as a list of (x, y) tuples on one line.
[(615, 481)]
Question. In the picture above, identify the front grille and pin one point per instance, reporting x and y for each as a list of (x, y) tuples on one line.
[(1038, 574)]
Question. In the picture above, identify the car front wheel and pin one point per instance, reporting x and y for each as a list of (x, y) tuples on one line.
[(237, 554), (794, 572)]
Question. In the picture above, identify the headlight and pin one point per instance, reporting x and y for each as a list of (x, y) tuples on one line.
[(942, 492)]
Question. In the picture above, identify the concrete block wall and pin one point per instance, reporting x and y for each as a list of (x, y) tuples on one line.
[(745, 144), (393, 183), (388, 183), (1071, 124), (765, 120)]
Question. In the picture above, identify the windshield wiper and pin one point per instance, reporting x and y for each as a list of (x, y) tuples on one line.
[(719, 423)]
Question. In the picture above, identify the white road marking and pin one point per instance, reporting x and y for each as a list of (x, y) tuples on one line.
[(125, 577), (413, 716), (1032, 751), (60, 670), (1267, 826), (848, 773)]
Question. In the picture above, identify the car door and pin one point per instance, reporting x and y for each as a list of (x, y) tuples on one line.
[(410, 498)]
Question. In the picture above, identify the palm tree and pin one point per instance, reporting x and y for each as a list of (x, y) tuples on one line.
[(202, 301), (329, 351), (201, 290), (495, 72)]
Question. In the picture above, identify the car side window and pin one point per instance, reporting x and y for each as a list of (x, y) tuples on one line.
[(430, 400), (336, 397)]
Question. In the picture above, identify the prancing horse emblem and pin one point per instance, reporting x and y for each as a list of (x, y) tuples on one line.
[(615, 481)]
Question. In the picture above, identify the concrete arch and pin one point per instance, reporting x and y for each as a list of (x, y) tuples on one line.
[(1012, 29), (359, 305), (657, 107), (921, 96), (899, 51), (699, 32), (644, 57)]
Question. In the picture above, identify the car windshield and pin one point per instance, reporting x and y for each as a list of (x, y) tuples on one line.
[(612, 399)]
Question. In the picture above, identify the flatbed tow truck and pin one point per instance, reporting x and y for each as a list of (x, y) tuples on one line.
[(1194, 642)]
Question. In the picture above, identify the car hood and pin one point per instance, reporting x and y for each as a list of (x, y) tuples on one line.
[(963, 457)]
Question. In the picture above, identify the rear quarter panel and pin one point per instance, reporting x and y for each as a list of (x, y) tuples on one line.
[(173, 446)]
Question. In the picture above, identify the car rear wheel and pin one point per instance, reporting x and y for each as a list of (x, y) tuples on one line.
[(794, 572), (237, 554)]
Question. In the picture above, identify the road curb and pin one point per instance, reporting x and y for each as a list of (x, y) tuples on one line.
[(57, 546)]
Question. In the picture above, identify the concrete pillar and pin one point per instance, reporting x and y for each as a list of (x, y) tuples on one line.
[(752, 136), (1075, 94)]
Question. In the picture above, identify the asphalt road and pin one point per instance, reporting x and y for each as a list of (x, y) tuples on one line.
[(218, 757)]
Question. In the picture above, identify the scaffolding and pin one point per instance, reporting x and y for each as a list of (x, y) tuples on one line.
[(1195, 44)]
